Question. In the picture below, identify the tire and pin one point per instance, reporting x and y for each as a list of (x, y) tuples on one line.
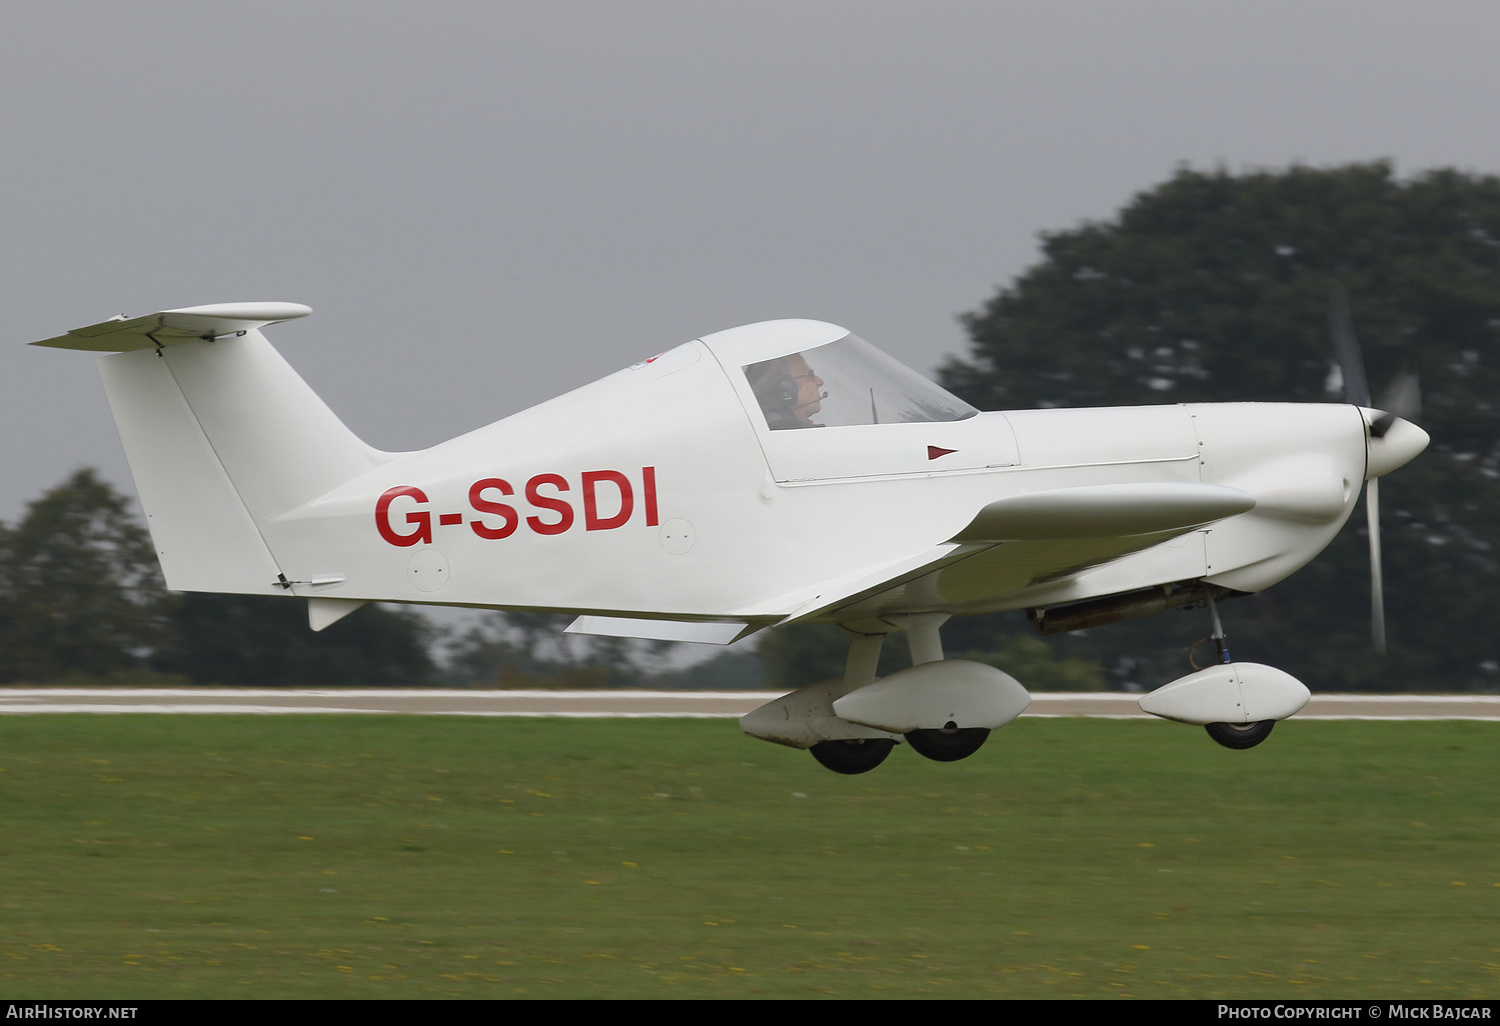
[(854, 755), (1240, 735), (949, 744)]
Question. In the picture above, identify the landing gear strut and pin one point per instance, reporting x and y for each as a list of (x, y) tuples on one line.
[(1238, 736)]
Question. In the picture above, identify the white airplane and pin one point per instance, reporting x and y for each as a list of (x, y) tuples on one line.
[(776, 473)]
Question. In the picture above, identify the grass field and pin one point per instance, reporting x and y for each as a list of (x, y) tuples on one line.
[(390, 856)]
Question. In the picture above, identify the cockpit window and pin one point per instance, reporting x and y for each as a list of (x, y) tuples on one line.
[(845, 383)]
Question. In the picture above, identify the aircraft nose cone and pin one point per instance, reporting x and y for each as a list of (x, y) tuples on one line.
[(1402, 441)]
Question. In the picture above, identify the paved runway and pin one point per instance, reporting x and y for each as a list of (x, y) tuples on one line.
[(444, 702)]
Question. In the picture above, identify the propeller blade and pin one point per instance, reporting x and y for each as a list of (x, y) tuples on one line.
[(1346, 348), (1377, 574), (1402, 399)]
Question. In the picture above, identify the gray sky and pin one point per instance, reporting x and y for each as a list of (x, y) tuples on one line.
[(487, 204)]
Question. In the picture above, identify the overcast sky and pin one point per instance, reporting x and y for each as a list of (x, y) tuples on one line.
[(487, 204)]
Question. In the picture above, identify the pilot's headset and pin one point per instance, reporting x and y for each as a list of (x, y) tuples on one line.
[(775, 390)]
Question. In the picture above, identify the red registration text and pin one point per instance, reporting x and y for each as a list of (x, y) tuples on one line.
[(609, 498)]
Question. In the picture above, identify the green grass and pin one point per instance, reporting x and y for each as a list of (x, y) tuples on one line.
[(279, 856)]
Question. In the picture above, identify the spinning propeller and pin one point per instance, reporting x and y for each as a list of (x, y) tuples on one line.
[(1401, 402)]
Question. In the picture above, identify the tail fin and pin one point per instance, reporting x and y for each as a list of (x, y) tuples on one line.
[(221, 435)]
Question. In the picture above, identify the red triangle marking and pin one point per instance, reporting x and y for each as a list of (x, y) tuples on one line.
[(933, 452)]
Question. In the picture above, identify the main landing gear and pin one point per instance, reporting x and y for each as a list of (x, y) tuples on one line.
[(854, 755), (944, 708), (862, 754), (949, 743), (923, 706)]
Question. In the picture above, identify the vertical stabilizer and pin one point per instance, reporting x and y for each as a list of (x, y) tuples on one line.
[(278, 442), (222, 435)]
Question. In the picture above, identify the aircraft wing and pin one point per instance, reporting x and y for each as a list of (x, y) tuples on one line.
[(1024, 540)]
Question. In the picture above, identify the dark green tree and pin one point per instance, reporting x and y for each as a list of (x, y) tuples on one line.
[(264, 641), (80, 592), (802, 653), (82, 599), (1215, 286), (806, 652), (530, 650)]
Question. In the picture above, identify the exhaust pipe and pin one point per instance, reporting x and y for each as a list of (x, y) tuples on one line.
[(1132, 605)]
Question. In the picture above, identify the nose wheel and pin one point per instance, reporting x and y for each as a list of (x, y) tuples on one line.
[(1240, 735)]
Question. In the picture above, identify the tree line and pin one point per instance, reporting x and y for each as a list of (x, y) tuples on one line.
[(1213, 287), (82, 601)]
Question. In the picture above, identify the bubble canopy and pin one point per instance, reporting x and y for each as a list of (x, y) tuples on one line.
[(844, 383)]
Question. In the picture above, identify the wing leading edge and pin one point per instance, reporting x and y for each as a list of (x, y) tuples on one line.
[(1024, 540)]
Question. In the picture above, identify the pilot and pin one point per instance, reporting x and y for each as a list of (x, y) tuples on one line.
[(788, 390)]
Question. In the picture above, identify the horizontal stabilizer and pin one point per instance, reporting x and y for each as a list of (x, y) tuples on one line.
[(174, 327), (1105, 511)]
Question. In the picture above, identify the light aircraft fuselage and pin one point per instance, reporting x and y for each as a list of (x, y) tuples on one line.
[(774, 473)]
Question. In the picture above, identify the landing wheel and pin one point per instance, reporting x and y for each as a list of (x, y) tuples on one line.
[(1240, 735), (853, 755), (948, 744)]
